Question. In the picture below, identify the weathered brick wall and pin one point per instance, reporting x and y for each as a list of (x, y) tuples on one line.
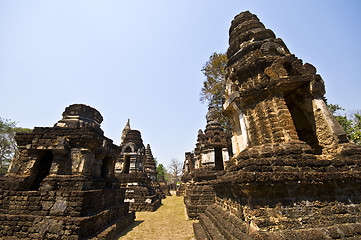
[(61, 185), (140, 192), (142, 199), (54, 214), (294, 174), (197, 198)]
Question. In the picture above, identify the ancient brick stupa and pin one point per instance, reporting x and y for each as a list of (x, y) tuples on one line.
[(149, 164), (142, 191), (294, 174), (151, 171), (61, 185), (212, 150), (188, 168), (164, 187)]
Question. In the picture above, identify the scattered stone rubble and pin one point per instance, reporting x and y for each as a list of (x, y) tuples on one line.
[(294, 174), (213, 148), (62, 185), (135, 169)]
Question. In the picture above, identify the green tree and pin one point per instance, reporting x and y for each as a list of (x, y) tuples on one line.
[(356, 136), (8, 145), (351, 123), (214, 86), (161, 172)]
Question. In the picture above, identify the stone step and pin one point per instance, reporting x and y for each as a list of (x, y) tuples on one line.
[(209, 228), (229, 225), (345, 231), (199, 232), (309, 221)]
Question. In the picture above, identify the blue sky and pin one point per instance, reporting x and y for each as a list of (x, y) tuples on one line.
[(142, 59)]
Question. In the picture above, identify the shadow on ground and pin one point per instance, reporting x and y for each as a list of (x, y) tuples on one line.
[(129, 228)]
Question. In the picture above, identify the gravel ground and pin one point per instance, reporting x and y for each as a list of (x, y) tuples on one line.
[(168, 222)]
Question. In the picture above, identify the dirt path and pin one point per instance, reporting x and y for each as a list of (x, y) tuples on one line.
[(168, 222)]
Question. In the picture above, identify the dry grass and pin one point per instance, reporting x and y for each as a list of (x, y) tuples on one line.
[(168, 222)]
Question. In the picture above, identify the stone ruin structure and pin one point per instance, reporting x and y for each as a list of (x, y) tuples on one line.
[(149, 164), (135, 169), (62, 185), (151, 171), (164, 187), (212, 150), (188, 168), (294, 175)]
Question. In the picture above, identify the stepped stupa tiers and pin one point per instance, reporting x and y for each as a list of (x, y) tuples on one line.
[(294, 174), (62, 185), (135, 169), (149, 164), (213, 149)]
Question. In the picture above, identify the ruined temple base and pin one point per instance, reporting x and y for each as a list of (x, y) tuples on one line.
[(181, 190), (218, 223), (140, 192), (140, 200), (40, 227), (197, 198), (57, 214), (199, 193), (289, 195)]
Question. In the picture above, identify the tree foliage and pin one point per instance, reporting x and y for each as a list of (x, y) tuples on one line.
[(8, 145), (350, 122), (214, 86), (161, 171)]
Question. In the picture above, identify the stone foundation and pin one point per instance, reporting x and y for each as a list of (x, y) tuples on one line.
[(197, 198), (200, 193), (139, 193), (63, 215), (284, 195), (181, 189)]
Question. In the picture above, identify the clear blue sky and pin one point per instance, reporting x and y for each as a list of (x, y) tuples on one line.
[(142, 59)]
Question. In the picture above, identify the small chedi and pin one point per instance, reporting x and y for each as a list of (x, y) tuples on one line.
[(151, 171), (188, 168), (164, 187), (294, 174), (213, 148), (61, 184), (135, 169)]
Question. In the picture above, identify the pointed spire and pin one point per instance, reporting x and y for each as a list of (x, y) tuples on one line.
[(127, 126), (125, 130)]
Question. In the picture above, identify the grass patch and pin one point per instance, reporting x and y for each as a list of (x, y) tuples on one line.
[(168, 222)]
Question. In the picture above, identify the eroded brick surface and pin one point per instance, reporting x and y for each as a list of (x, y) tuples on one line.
[(212, 151), (135, 169), (62, 185), (294, 174)]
